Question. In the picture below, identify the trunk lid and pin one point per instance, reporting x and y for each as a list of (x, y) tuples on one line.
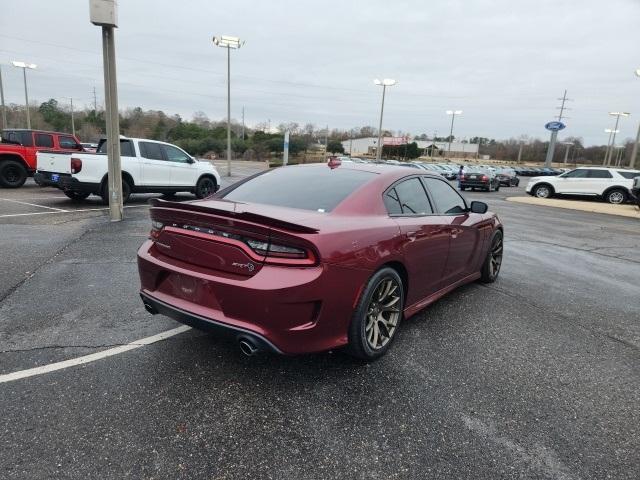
[(222, 236)]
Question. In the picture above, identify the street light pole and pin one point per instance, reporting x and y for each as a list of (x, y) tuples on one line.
[(634, 152), (453, 114), (229, 43), (4, 110), (24, 67), (387, 82), (615, 130)]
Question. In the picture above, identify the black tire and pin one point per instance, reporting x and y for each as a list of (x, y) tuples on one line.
[(616, 196), (540, 189), (463, 188), (364, 331), (206, 186), (126, 191), (12, 174), (493, 261), (76, 196)]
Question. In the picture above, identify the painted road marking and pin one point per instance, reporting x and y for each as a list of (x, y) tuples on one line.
[(34, 205), (66, 211), (52, 367)]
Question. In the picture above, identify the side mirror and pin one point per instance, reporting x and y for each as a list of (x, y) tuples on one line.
[(478, 207), (191, 160)]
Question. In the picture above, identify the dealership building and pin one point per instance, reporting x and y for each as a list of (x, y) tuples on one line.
[(367, 146)]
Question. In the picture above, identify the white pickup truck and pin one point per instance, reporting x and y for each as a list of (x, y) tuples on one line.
[(148, 166)]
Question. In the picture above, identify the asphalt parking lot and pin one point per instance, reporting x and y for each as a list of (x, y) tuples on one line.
[(534, 376)]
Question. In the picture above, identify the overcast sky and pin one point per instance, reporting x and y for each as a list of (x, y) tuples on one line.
[(503, 62)]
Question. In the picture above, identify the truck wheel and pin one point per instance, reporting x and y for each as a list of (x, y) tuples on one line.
[(76, 196), (126, 191), (12, 174)]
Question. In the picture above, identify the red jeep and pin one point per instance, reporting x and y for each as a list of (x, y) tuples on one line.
[(18, 152)]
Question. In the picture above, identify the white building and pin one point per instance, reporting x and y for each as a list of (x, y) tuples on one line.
[(367, 146)]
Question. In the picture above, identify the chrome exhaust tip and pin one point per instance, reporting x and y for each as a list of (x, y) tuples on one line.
[(248, 347), (150, 308)]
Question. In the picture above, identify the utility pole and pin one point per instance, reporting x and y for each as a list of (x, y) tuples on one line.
[(520, 152), (326, 142), (104, 14), (554, 133), (243, 123), (433, 146), (73, 125), (95, 101), (634, 153), (4, 110)]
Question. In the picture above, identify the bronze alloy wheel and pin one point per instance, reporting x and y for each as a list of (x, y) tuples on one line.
[(383, 313), (495, 260)]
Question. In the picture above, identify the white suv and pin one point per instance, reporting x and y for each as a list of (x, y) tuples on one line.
[(613, 185)]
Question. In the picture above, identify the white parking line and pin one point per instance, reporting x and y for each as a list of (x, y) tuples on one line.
[(66, 211), (52, 367), (33, 205)]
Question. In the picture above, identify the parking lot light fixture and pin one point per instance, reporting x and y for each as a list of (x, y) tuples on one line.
[(613, 138), (634, 152), (387, 82), (230, 43), (24, 66), (453, 114)]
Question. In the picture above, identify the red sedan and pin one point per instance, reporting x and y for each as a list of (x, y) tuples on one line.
[(310, 258)]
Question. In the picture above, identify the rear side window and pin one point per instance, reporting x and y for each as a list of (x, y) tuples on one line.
[(579, 173), (126, 148), (44, 140), (413, 198), (448, 202), (152, 151), (629, 175), (68, 143), (600, 174), (392, 202), (306, 188), (24, 138)]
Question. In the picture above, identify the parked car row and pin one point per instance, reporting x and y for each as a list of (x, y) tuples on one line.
[(538, 172)]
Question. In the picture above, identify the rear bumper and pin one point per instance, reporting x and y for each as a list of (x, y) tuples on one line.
[(65, 182), (294, 310), (474, 184), (154, 306)]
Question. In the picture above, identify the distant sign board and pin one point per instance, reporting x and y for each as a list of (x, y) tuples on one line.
[(395, 140), (555, 126)]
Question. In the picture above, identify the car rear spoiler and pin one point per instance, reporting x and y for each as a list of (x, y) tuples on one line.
[(225, 208)]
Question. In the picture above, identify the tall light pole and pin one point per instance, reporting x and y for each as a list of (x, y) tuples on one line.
[(615, 130), (229, 43), (566, 152), (24, 67), (634, 152), (606, 152), (4, 110), (453, 114), (387, 82)]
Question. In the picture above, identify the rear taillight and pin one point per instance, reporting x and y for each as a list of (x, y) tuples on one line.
[(274, 251), (156, 227), (76, 165), (485, 178)]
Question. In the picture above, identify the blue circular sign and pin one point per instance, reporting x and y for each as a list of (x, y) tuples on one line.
[(555, 126)]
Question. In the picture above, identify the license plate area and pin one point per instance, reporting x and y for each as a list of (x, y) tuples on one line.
[(55, 177)]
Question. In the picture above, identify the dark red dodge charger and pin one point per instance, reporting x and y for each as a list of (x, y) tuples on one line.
[(309, 258)]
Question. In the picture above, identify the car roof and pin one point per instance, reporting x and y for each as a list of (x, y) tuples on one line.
[(609, 168)]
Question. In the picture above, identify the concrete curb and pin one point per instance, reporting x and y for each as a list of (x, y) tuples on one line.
[(593, 207)]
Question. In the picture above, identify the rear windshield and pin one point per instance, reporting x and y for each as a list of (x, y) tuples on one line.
[(629, 175), (319, 189)]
